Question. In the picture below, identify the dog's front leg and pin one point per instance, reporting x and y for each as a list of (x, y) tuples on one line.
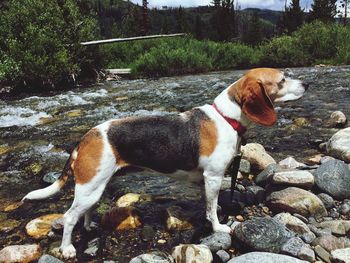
[(212, 183)]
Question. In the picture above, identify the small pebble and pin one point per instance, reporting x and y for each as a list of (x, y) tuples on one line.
[(240, 218), (161, 241)]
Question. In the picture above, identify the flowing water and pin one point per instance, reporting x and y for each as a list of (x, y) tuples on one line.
[(38, 132)]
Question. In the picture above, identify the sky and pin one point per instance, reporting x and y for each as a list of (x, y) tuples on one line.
[(262, 4)]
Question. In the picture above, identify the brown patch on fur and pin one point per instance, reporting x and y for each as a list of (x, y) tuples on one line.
[(89, 156), (208, 135)]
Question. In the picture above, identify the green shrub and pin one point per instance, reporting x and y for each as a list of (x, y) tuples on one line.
[(284, 51), (40, 41)]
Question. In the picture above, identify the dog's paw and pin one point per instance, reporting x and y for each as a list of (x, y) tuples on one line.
[(68, 252), (222, 228)]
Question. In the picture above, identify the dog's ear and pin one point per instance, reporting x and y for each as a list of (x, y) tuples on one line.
[(256, 104)]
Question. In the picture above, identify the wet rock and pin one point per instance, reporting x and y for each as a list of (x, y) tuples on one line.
[(322, 253), (290, 163), (34, 168), (46, 120), (303, 179), (338, 227), (316, 159), (20, 253), (267, 173), (344, 209), (41, 226), (339, 145), (93, 247), (301, 122), (8, 225), (244, 166), (121, 218), (75, 113), (265, 257), (338, 173), (320, 231), (296, 200), (257, 156), (12, 206), (263, 234), (189, 253), (156, 256), (129, 199), (340, 255), (258, 192), (51, 177), (297, 226), (223, 255), (217, 241), (306, 253), (178, 219), (292, 247), (329, 242), (327, 200), (147, 233), (337, 119), (49, 259)]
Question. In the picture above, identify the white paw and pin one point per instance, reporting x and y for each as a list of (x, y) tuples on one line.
[(222, 228), (91, 226), (68, 252)]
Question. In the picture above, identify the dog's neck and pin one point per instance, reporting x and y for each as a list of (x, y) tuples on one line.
[(227, 104)]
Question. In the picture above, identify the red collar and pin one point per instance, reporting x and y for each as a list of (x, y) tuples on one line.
[(236, 125)]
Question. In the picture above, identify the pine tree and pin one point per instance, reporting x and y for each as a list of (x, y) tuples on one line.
[(253, 35), (223, 20), (144, 17), (324, 10), (293, 17), (198, 28)]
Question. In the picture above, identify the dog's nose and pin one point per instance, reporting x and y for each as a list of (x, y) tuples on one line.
[(306, 85)]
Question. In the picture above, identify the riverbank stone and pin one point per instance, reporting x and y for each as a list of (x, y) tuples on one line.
[(329, 242), (263, 177), (217, 241), (297, 226), (327, 200), (257, 156), (333, 177), (178, 219), (337, 119), (41, 226), (121, 218), (340, 255), (20, 253), (49, 259), (290, 163), (153, 257), (189, 253), (338, 145), (263, 234), (265, 257), (296, 200), (338, 227), (298, 178)]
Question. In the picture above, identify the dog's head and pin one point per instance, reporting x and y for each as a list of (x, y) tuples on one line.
[(259, 88)]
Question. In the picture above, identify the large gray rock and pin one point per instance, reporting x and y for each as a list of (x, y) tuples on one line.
[(297, 226), (338, 227), (296, 200), (341, 255), (48, 259), (265, 257), (264, 177), (333, 177), (299, 178), (329, 242), (188, 253), (292, 247), (263, 234), (339, 145), (217, 241)]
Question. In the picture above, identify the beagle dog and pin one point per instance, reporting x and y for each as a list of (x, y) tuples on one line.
[(205, 138)]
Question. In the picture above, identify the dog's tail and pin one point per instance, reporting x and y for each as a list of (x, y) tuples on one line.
[(56, 186)]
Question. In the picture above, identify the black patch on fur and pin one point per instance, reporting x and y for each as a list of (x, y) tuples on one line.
[(162, 143)]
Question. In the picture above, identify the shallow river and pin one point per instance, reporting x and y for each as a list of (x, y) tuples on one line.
[(38, 132)]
